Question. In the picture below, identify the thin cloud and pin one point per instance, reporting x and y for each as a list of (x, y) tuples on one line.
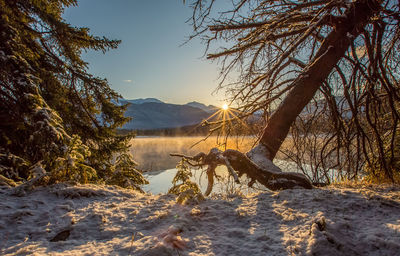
[(127, 81)]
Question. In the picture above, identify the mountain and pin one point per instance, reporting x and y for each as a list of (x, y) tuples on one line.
[(140, 101), (208, 109), (155, 114)]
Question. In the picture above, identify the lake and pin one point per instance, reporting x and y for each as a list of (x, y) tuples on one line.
[(152, 154)]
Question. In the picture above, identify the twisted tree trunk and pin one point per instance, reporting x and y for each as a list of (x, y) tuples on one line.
[(257, 163), (332, 49)]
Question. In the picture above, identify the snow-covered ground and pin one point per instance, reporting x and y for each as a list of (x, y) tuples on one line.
[(106, 220)]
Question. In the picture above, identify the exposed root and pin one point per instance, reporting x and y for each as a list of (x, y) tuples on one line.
[(210, 177), (255, 165)]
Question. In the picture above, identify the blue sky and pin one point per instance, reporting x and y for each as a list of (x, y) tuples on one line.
[(150, 61)]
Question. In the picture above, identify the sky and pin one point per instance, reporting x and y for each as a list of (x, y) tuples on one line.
[(151, 60)]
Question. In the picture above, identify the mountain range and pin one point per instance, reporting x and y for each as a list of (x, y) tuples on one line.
[(154, 114), (151, 113)]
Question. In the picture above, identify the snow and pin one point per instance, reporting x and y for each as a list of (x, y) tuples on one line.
[(259, 156), (350, 36), (107, 220)]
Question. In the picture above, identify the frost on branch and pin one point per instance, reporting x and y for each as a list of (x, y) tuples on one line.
[(187, 190), (49, 104)]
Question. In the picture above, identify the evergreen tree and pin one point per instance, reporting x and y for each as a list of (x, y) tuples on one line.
[(54, 114)]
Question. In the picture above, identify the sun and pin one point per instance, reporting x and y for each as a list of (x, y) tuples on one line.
[(225, 107)]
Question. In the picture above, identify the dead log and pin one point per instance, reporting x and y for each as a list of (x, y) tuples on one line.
[(254, 164)]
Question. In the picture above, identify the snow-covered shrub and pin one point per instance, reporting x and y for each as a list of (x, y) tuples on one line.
[(182, 185), (71, 166), (125, 174)]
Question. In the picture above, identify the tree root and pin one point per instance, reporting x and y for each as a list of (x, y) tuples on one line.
[(255, 165)]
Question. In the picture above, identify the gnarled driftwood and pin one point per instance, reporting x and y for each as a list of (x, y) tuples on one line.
[(254, 164)]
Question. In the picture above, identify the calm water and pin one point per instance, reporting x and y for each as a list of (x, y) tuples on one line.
[(161, 181), (152, 154)]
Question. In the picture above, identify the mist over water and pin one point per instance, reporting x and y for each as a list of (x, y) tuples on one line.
[(153, 157), (152, 154)]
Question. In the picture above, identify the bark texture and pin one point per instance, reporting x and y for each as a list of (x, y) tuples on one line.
[(333, 48)]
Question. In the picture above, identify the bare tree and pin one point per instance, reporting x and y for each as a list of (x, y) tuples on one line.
[(287, 52)]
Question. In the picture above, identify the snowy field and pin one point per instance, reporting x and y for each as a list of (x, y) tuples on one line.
[(106, 220)]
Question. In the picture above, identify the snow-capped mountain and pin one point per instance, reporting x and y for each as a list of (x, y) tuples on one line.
[(208, 109), (140, 101)]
